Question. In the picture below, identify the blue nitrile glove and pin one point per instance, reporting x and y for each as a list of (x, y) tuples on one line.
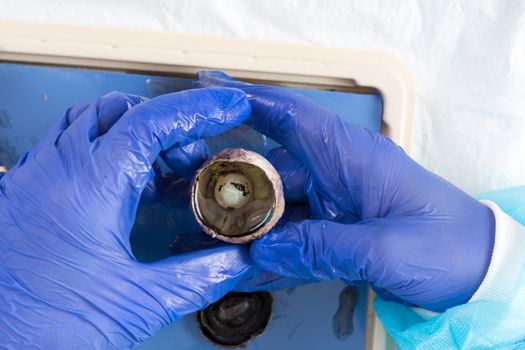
[(68, 279), (376, 215)]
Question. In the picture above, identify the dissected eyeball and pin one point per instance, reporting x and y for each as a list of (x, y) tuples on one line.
[(237, 196)]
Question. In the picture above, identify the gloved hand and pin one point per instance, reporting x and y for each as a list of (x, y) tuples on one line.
[(376, 215), (68, 279)]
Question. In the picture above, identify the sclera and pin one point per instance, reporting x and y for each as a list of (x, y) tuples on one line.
[(263, 209)]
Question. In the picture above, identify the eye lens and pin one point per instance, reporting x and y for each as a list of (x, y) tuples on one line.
[(233, 190)]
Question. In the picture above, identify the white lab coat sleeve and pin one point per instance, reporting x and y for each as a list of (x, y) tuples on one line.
[(508, 257)]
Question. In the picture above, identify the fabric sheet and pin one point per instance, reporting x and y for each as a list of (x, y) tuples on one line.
[(467, 59)]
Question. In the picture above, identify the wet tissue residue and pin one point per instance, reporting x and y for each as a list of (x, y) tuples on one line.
[(343, 321)]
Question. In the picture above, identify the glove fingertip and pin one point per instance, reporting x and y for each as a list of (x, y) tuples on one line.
[(294, 250), (184, 161), (152, 191), (265, 250), (292, 172), (236, 101)]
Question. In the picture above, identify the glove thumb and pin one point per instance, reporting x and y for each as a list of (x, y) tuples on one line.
[(188, 282), (321, 250)]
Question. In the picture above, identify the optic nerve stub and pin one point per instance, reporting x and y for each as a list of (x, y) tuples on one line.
[(237, 196)]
